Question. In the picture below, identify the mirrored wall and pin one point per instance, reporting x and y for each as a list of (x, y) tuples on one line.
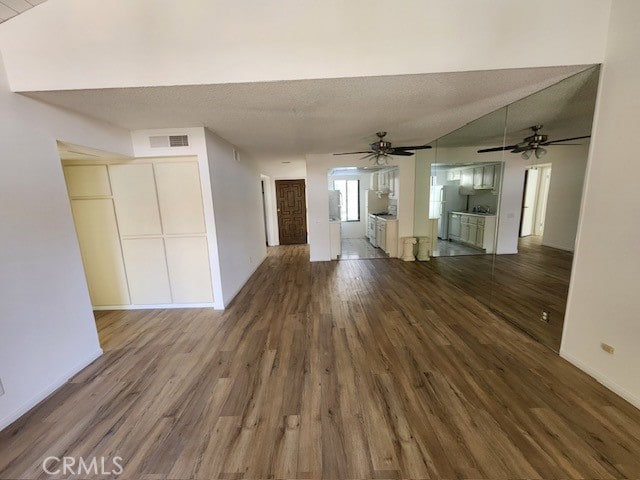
[(505, 191)]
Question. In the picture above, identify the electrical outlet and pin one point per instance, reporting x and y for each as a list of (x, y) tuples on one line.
[(545, 317), (607, 348), (1, 388)]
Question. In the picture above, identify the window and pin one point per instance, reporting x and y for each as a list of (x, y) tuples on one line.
[(350, 199)]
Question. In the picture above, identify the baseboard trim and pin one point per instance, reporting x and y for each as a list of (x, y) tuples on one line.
[(600, 378), (226, 303), (152, 307), (35, 400)]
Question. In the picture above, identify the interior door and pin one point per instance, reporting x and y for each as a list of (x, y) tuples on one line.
[(292, 211), (529, 202)]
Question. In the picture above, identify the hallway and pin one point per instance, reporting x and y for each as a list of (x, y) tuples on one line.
[(351, 369)]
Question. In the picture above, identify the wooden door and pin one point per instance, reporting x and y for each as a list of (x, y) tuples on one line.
[(292, 211)]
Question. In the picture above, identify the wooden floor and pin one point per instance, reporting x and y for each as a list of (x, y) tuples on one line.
[(364, 369), (518, 287)]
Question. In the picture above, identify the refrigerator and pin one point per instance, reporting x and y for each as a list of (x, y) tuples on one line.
[(443, 200), (335, 204)]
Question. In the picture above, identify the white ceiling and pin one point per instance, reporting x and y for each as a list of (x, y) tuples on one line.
[(11, 8), (287, 119)]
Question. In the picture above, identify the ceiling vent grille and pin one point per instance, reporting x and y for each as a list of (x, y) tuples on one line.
[(169, 141), (178, 140)]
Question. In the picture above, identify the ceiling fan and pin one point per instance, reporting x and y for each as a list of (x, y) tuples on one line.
[(533, 144), (381, 150)]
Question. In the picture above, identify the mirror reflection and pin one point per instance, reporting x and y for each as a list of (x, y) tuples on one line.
[(506, 192)]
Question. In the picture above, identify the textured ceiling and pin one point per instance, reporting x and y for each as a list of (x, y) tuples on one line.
[(11, 8), (290, 118), (565, 110)]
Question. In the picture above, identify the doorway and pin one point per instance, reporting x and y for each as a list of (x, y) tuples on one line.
[(534, 200), (292, 211)]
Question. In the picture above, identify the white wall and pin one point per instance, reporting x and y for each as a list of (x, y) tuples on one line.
[(70, 44), (355, 229), (46, 322), (568, 165), (603, 297), (237, 203), (318, 167)]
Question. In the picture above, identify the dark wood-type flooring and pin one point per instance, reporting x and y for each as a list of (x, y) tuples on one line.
[(517, 287), (363, 369)]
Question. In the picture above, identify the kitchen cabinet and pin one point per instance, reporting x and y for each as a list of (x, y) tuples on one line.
[(454, 226), (387, 235), (473, 229), (335, 239), (488, 176), (373, 184), (394, 183), (371, 230), (478, 176), (466, 179)]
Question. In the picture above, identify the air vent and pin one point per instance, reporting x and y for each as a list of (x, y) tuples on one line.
[(178, 140), (169, 141)]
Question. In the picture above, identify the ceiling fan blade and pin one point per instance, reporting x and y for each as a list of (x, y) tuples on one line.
[(401, 153), (551, 142), (563, 144), (414, 147), (522, 148), (496, 149), (353, 153)]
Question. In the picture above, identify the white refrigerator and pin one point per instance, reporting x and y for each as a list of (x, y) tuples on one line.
[(443, 200)]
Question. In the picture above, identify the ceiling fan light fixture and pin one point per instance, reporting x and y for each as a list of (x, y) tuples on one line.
[(526, 154), (540, 152), (381, 159)]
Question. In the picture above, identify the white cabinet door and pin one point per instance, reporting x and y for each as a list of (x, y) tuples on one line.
[(467, 178), (134, 194), (97, 231), (477, 177), (480, 237), (87, 180), (454, 226), (189, 273), (488, 176), (464, 231), (473, 232), (180, 197), (146, 271)]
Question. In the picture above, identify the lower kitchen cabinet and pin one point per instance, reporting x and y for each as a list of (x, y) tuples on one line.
[(387, 236), (472, 229)]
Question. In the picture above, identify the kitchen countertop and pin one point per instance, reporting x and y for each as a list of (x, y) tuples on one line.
[(476, 214)]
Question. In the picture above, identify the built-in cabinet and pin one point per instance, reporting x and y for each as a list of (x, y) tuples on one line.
[(474, 230), (142, 232)]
